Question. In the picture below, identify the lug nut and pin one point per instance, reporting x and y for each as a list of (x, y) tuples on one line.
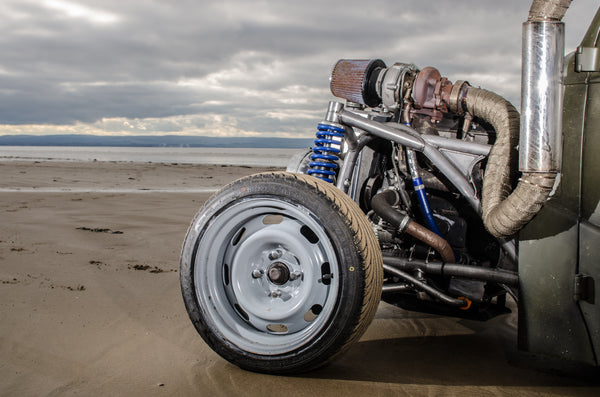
[(295, 275), (276, 294), (257, 273), (275, 254)]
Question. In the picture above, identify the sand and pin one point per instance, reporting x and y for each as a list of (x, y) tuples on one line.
[(90, 303)]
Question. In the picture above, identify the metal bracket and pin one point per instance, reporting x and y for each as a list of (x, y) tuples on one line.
[(584, 289), (587, 59)]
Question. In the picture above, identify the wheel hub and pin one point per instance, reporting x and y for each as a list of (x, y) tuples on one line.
[(278, 273)]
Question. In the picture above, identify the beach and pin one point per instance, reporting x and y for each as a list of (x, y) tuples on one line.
[(90, 302)]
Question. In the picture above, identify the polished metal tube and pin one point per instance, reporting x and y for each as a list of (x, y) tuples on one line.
[(351, 160), (458, 145), (540, 144), (333, 110), (402, 134)]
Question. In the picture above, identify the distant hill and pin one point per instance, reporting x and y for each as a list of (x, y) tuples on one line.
[(152, 141)]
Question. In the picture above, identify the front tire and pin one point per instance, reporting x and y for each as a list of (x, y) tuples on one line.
[(280, 272)]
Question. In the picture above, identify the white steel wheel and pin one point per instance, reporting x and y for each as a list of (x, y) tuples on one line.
[(280, 272)]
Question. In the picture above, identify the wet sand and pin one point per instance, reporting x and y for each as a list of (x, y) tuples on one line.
[(90, 303)]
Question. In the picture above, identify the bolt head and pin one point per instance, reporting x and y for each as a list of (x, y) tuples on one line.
[(295, 275), (275, 254)]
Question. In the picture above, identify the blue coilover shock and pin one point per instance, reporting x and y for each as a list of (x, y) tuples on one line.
[(326, 152)]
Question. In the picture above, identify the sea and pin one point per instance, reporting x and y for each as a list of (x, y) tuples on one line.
[(252, 157)]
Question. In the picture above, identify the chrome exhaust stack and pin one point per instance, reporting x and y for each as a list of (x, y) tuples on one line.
[(540, 131), (540, 143)]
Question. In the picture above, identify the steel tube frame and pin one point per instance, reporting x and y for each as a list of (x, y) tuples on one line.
[(350, 159), (458, 145), (425, 287), (410, 138)]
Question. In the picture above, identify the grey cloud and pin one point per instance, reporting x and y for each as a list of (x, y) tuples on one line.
[(254, 64)]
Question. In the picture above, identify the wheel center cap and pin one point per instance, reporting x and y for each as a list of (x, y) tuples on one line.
[(278, 273)]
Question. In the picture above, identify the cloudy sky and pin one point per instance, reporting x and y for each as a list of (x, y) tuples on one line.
[(235, 67)]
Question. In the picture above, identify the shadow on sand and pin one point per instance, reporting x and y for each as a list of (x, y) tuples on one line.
[(487, 357), (483, 357)]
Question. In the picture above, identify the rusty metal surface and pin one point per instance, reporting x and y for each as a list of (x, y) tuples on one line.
[(431, 93), (428, 237)]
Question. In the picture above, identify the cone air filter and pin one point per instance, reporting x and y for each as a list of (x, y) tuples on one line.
[(356, 79)]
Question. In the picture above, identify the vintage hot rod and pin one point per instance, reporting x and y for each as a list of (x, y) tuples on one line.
[(429, 194)]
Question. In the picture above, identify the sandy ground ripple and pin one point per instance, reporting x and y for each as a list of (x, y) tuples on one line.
[(90, 303)]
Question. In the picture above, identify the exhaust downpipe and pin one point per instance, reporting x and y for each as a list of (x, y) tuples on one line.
[(540, 144)]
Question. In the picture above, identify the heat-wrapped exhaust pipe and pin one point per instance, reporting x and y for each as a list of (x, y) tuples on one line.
[(504, 213), (540, 143)]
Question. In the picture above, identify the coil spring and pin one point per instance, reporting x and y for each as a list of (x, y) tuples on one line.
[(326, 152)]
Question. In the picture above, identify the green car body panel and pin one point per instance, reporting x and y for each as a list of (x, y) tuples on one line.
[(559, 250)]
